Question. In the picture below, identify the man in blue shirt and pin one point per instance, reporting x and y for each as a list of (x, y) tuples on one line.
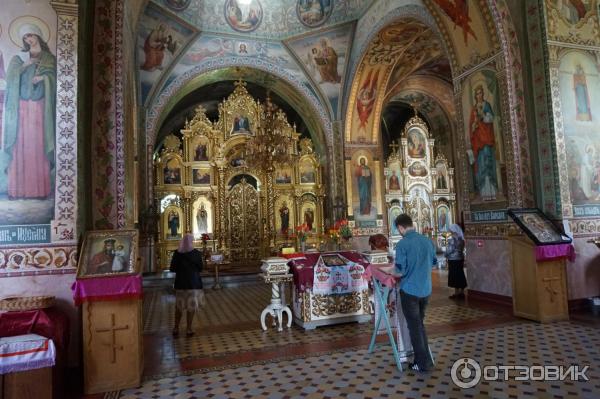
[(415, 254)]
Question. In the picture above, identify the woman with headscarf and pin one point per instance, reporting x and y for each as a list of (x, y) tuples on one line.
[(456, 260), (187, 265)]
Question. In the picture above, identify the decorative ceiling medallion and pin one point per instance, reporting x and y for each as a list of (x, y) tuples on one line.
[(177, 5), (243, 17), (313, 13)]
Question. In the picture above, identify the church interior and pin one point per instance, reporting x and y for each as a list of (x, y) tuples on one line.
[(282, 140)]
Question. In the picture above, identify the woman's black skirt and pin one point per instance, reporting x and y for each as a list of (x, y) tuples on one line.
[(456, 274)]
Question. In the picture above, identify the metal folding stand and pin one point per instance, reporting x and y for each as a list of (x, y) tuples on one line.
[(381, 296)]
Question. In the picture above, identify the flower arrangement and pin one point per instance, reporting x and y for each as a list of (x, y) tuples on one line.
[(204, 237), (344, 229), (302, 232)]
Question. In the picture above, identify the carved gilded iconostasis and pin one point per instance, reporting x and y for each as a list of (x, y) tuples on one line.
[(219, 182)]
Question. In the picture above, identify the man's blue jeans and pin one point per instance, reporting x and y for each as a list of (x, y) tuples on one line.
[(413, 308)]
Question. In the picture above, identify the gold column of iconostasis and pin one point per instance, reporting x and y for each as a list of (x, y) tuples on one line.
[(206, 185)]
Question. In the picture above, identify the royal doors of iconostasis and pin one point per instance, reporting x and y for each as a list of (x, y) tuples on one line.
[(418, 184), (210, 183)]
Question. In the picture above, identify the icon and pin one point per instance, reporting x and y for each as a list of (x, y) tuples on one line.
[(466, 373)]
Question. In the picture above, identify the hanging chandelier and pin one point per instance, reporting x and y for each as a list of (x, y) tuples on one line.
[(274, 142)]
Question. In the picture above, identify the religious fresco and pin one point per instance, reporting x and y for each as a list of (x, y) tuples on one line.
[(177, 5), (412, 40), (362, 174), (28, 85), (580, 105), (484, 141), (573, 21), (243, 17), (465, 24), (208, 47), (281, 19), (313, 13), (323, 56), (369, 87), (160, 39)]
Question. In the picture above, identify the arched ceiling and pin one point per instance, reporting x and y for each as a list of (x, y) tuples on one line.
[(213, 87)]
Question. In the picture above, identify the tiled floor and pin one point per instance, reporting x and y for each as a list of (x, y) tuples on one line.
[(231, 357)]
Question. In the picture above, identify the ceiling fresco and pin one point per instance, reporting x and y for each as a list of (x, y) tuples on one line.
[(272, 19), (408, 40)]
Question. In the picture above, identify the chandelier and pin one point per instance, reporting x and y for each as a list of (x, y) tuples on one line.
[(274, 142)]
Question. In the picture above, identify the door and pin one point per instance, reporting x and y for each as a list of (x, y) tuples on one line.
[(243, 222)]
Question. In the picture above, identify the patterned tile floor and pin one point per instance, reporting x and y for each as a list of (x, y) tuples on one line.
[(354, 373), (231, 357)]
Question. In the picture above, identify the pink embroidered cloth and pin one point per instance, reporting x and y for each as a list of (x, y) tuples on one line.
[(384, 278), (303, 267), (106, 288), (556, 251)]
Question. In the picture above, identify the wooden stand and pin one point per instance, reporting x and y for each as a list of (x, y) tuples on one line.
[(539, 288), (32, 384), (112, 345)]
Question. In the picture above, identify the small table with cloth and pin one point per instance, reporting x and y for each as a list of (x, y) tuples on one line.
[(328, 288), (31, 342)]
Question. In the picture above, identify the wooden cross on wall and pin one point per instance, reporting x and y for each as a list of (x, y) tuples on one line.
[(113, 330)]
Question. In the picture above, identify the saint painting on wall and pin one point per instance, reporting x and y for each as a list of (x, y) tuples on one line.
[(200, 151), (582, 97), (27, 142), (283, 176), (201, 176), (394, 212), (324, 59), (309, 218), (241, 124), (172, 172), (173, 225), (393, 181), (416, 144), (243, 16), (441, 178), (307, 173), (159, 40), (443, 217), (313, 13), (284, 218), (482, 126), (202, 220)]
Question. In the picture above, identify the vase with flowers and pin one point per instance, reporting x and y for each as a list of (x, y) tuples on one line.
[(334, 236), (302, 235), (204, 238), (344, 231)]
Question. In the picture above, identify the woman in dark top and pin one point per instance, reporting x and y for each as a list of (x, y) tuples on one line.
[(187, 265), (456, 260)]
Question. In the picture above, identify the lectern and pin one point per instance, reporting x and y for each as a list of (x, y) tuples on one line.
[(538, 261), (109, 287)]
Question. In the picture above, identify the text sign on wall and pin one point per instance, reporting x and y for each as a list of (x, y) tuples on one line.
[(586, 210), (26, 234), (489, 216)]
